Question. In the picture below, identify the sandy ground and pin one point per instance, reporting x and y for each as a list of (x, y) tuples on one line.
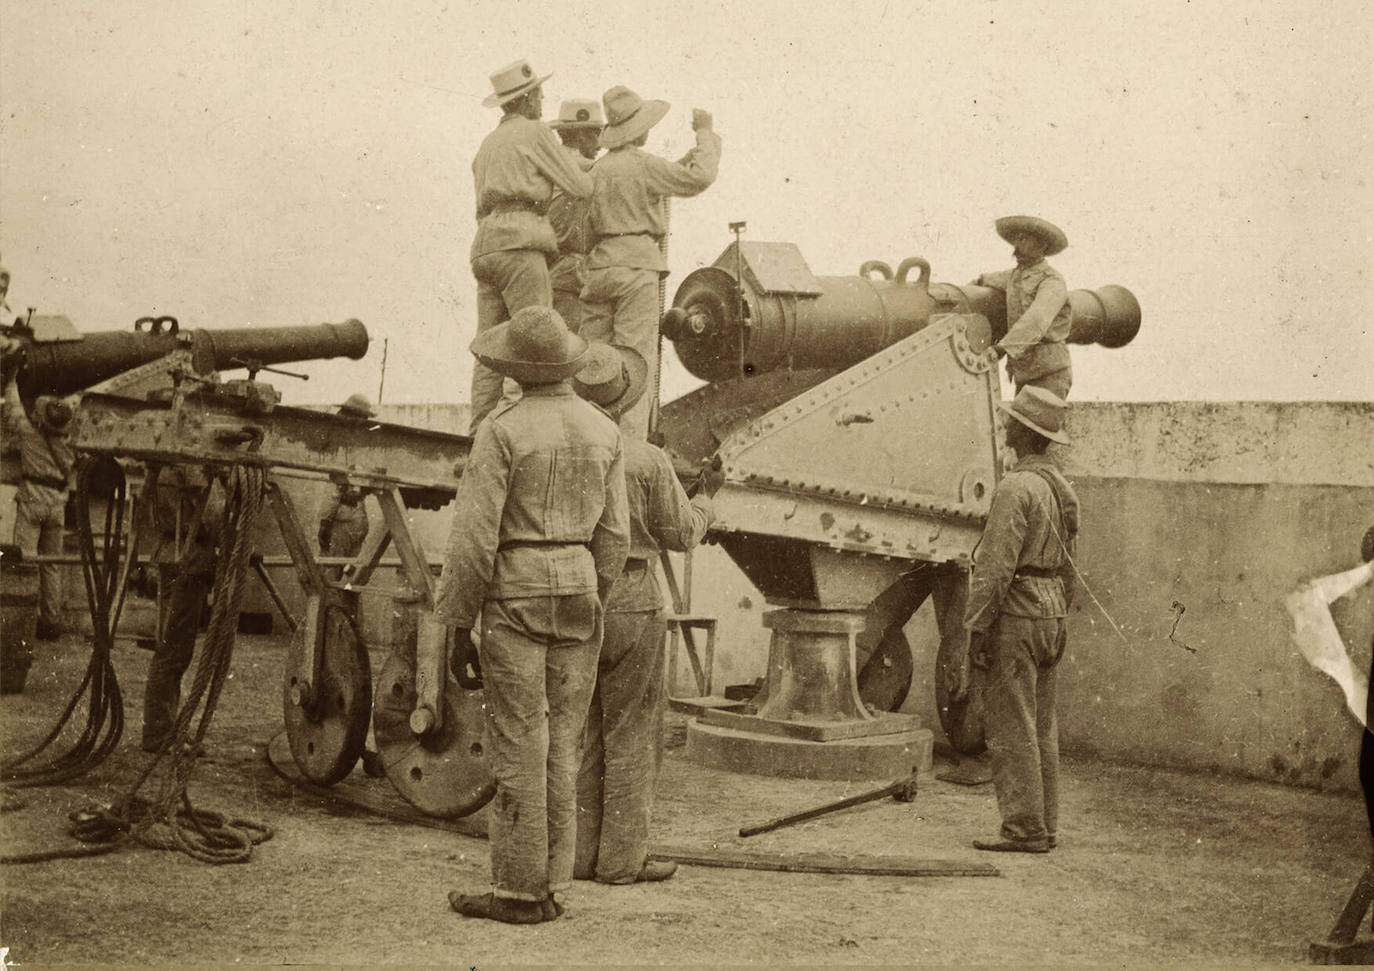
[(1153, 867)]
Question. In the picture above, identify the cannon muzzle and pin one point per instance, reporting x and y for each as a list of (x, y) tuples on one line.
[(782, 316), (59, 360)]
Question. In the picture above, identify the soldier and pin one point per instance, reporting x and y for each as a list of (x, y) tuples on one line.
[(1018, 601), (343, 517), (515, 173), (188, 518), (46, 458), (620, 299), (1038, 312), (579, 126), (541, 537), (623, 742)]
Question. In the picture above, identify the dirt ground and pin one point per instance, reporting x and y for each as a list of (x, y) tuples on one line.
[(1154, 867)]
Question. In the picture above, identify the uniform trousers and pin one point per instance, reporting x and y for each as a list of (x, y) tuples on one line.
[(620, 306), (622, 749), (38, 530), (538, 659), (507, 281), (1022, 730), (1056, 382), (181, 606), (568, 303)]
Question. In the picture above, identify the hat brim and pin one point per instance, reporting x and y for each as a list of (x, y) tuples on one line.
[(493, 348), (1053, 237), (637, 371), (575, 125), (650, 113), (1059, 437), (493, 100)]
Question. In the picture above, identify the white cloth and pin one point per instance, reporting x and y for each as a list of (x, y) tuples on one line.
[(1315, 633)]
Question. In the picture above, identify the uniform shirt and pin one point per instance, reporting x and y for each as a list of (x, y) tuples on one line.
[(540, 509), (514, 175), (661, 517), (346, 521), (627, 217), (568, 216), (1022, 531), (46, 456), (1038, 318)]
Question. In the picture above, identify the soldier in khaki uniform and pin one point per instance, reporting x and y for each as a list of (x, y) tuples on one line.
[(579, 126), (1038, 312), (624, 738), (539, 536), (343, 517), (515, 173), (46, 458), (1018, 602), (620, 299)]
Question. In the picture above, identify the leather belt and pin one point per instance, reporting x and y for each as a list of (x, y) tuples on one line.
[(1037, 571), (517, 544), (517, 206)]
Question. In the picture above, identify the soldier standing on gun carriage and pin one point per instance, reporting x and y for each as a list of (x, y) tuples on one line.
[(620, 299), (515, 173), (1038, 311), (579, 126)]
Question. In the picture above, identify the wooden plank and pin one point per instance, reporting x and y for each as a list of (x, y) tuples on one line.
[(699, 706), (874, 866), (883, 724)]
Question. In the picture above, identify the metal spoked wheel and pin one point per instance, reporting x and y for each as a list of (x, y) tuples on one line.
[(444, 773), (328, 731)]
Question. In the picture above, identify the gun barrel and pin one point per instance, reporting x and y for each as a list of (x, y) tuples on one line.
[(64, 367), (784, 317)]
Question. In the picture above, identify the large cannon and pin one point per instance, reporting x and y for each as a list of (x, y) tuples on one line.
[(855, 418), (57, 359)]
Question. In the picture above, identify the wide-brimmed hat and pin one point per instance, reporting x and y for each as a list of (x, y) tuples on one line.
[(358, 405), (1039, 410), (613, 377), (578, 113), (628, 116), (53, 413), (533, 347), (511, 82), (1053, 237)]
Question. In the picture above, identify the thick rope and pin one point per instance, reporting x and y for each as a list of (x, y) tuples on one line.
[(105, 584)]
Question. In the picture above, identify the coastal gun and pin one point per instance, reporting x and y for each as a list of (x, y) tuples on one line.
[(855, 418)]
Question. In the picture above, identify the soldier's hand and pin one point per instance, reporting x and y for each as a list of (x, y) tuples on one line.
[(712, 475), (701, 119), (957, 680), (979, 651), (12, 355), (463, 661)]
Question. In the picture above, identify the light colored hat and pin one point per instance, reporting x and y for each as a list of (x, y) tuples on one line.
[(1053, 236), (1039, 410), (628, 116), (53, 413), (358, 405), (614, 377), (511, 82), (578, 113), (533, 347)]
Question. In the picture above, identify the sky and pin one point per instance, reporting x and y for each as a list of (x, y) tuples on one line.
[(249, 162)]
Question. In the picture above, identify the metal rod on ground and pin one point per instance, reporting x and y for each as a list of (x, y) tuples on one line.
[(904, 790)]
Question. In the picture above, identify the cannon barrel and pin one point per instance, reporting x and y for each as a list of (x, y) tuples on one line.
[(63, 366), (784, 317)]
